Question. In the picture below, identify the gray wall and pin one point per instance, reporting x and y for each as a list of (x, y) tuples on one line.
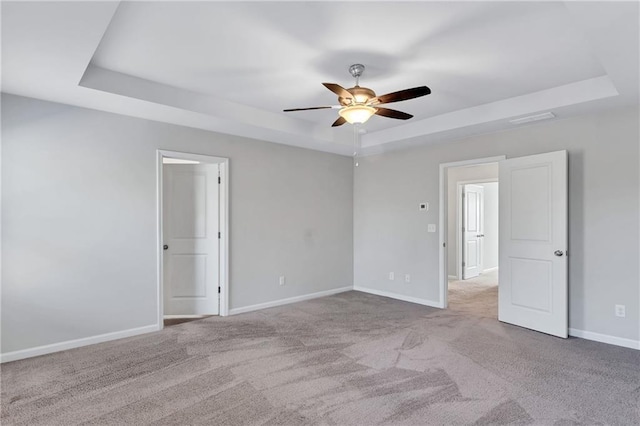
[(79, 220), (454, 176), (491, 224), (391, 235)]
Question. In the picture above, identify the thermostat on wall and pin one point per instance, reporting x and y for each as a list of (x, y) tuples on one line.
[(423, 206)]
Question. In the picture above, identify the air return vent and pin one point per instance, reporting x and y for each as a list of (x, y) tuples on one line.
[(537, 117)]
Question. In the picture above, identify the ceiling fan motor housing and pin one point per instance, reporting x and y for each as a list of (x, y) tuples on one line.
[(361, 95)]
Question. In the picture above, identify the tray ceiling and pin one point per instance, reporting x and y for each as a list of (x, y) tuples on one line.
[(233, 66)]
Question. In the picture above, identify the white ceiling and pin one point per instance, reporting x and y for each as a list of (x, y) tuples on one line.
[(233, 67)]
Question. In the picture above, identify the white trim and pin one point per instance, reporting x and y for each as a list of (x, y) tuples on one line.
[(223, 266), (442, 303), (453, 277), (605, 338), (224, 239), (478, 181), (184, 316), (495, 268), (159, 254), (170, 160), (404, 298), (459, 234), (202, 158), (71, 344), (0, 230), (289, 300)]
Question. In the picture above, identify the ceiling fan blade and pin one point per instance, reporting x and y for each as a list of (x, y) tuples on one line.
[(339, 122), (401, 95), (338, 90), (306, 109), (392, 113)]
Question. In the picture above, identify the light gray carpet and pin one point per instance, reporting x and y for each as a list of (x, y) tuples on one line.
[(349, 359), (477, 296)]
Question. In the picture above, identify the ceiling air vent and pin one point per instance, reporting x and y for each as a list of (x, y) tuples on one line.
[(537, 117)]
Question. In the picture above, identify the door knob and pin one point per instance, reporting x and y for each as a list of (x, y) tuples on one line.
[(480, 235), (558, 252), (165, 247)]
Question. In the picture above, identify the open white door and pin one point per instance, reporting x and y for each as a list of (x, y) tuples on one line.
[(533, 243), (191, 242), (472, 230)]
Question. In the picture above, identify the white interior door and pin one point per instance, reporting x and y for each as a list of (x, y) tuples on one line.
[(191, 239), (533, 243), (472, 230)]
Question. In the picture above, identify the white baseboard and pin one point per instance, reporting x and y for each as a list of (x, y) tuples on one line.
[(184, 316), (453, 277), (411, 299), (289, 300), (495, 268), (71, 344), (605, 338)]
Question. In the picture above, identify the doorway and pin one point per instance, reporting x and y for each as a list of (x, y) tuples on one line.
[(533, 227), (192, 236), (472, 228)]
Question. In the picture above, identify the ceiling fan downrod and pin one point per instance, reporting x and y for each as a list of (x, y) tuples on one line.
[(356, 71)]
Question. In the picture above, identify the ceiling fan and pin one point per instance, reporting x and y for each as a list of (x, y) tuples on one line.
[(358, 104)]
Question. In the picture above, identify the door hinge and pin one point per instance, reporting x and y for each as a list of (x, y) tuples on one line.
[(218, 235), (218, 290), (444, 244), (463, 264), (219, 180), (463, 229)]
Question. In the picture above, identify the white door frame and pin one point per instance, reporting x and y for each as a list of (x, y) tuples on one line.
[(459, 220), (224, 226), (442, 302)]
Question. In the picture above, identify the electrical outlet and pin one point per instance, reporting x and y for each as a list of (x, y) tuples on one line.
[(407, 278), (431, 227), (621, 311), (392, 276), (282, 279)]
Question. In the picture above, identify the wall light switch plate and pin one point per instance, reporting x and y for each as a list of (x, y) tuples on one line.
[(423, 206), (282, 280), (431, 227), (621, 311), (392, 276), (407, 278)]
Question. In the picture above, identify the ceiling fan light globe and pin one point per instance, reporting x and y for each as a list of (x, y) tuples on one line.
[(361, 99), (357, 114)]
